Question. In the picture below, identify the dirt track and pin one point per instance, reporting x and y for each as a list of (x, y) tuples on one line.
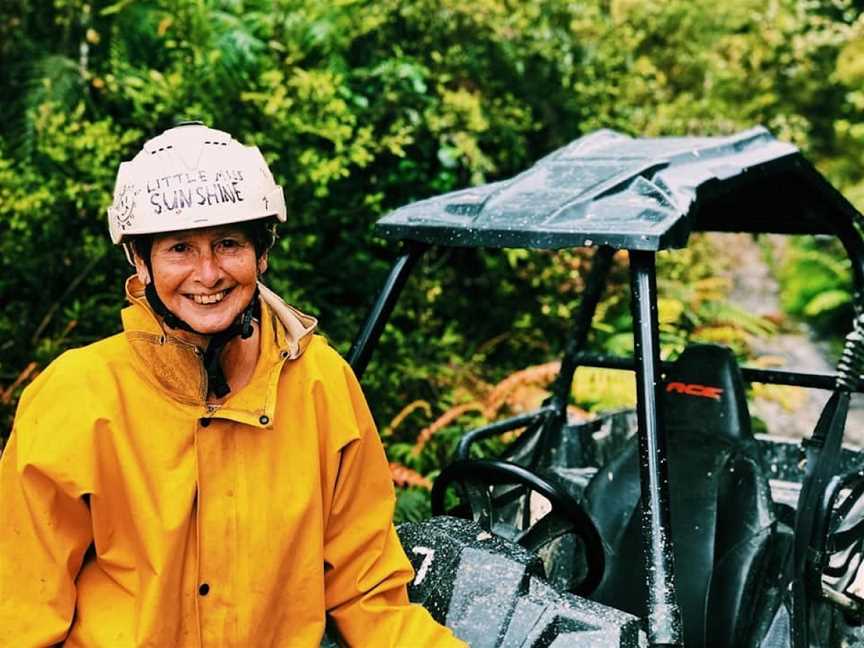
[(756, 290)]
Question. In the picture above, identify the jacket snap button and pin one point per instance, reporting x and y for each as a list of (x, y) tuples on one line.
[(204, 422), (264, 420), (203, 589)]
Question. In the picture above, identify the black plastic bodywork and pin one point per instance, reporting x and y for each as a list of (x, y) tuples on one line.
[(633, 193), (499, 597), (643, 195)]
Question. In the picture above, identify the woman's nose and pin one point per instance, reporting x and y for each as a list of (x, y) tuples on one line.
[(208, 271)]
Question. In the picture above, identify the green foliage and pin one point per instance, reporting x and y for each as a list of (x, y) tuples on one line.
[(412, 505), (816, 281), (363, 106), (692, 305), (604, 390)]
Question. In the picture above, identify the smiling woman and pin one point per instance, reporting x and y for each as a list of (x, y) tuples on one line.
[(194, 480), (206, 277), (207, 280)]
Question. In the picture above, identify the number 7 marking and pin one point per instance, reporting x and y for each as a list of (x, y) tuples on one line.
[(428, 555)]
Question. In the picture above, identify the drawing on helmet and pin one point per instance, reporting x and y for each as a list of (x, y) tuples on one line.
[(124, 204)]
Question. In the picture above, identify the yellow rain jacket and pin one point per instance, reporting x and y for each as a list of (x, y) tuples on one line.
[(134, 514)]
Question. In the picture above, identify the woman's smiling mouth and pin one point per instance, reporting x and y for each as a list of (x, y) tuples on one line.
[(205, 300)]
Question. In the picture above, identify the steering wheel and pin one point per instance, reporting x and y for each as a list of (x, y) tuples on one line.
[(473, 478)]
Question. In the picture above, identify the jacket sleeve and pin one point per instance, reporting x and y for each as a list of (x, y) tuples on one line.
[(44, 533), (367, 570)]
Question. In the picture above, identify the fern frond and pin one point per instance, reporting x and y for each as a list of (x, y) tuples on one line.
[(50, 78), (404, 413), (541, 375), (403, 477), (827, 301), (28, 374), (443, 421)]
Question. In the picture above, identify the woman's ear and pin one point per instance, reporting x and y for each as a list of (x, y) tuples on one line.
[(262, 264), (141, 269)]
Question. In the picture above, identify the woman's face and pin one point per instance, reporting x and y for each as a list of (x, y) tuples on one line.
[(206, 277)]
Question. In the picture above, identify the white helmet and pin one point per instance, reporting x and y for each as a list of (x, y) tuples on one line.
[(192, 176)]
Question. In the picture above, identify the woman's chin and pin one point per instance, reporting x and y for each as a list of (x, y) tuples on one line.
[(209, 323)]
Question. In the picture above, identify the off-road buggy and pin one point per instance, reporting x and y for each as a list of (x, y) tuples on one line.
[(673, 524)]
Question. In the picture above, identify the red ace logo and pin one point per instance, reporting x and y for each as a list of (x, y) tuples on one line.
[(692, 389)]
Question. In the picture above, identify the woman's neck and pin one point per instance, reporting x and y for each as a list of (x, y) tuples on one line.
[(238, 357)]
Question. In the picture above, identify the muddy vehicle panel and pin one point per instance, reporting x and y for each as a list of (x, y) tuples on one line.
[(672, 524)]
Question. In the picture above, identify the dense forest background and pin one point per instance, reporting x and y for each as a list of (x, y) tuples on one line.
[(363, 106)]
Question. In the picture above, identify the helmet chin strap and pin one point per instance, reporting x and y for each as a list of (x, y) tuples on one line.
[(162, 311), (242, 326)]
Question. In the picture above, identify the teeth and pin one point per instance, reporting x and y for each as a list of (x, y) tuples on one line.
[(209, 299)]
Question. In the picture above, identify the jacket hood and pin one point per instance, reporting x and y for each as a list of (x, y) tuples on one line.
[(175, 363), (299, 327)]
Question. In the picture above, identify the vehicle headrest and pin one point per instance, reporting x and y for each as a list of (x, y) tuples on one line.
[(704, 393)]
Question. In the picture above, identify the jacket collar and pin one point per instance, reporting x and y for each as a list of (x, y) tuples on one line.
[(175, 366)]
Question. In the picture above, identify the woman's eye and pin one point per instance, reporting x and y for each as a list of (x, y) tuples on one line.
[(230, 244), (179, 248)]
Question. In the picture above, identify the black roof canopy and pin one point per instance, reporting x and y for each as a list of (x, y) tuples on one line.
[(607, 188)]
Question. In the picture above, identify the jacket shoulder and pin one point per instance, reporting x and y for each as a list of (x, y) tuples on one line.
[(320, 361), (58, 413), (74, 387), (79, 370), (327, 377)]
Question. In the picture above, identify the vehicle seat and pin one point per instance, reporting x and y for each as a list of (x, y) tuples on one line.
[(721, 510)]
